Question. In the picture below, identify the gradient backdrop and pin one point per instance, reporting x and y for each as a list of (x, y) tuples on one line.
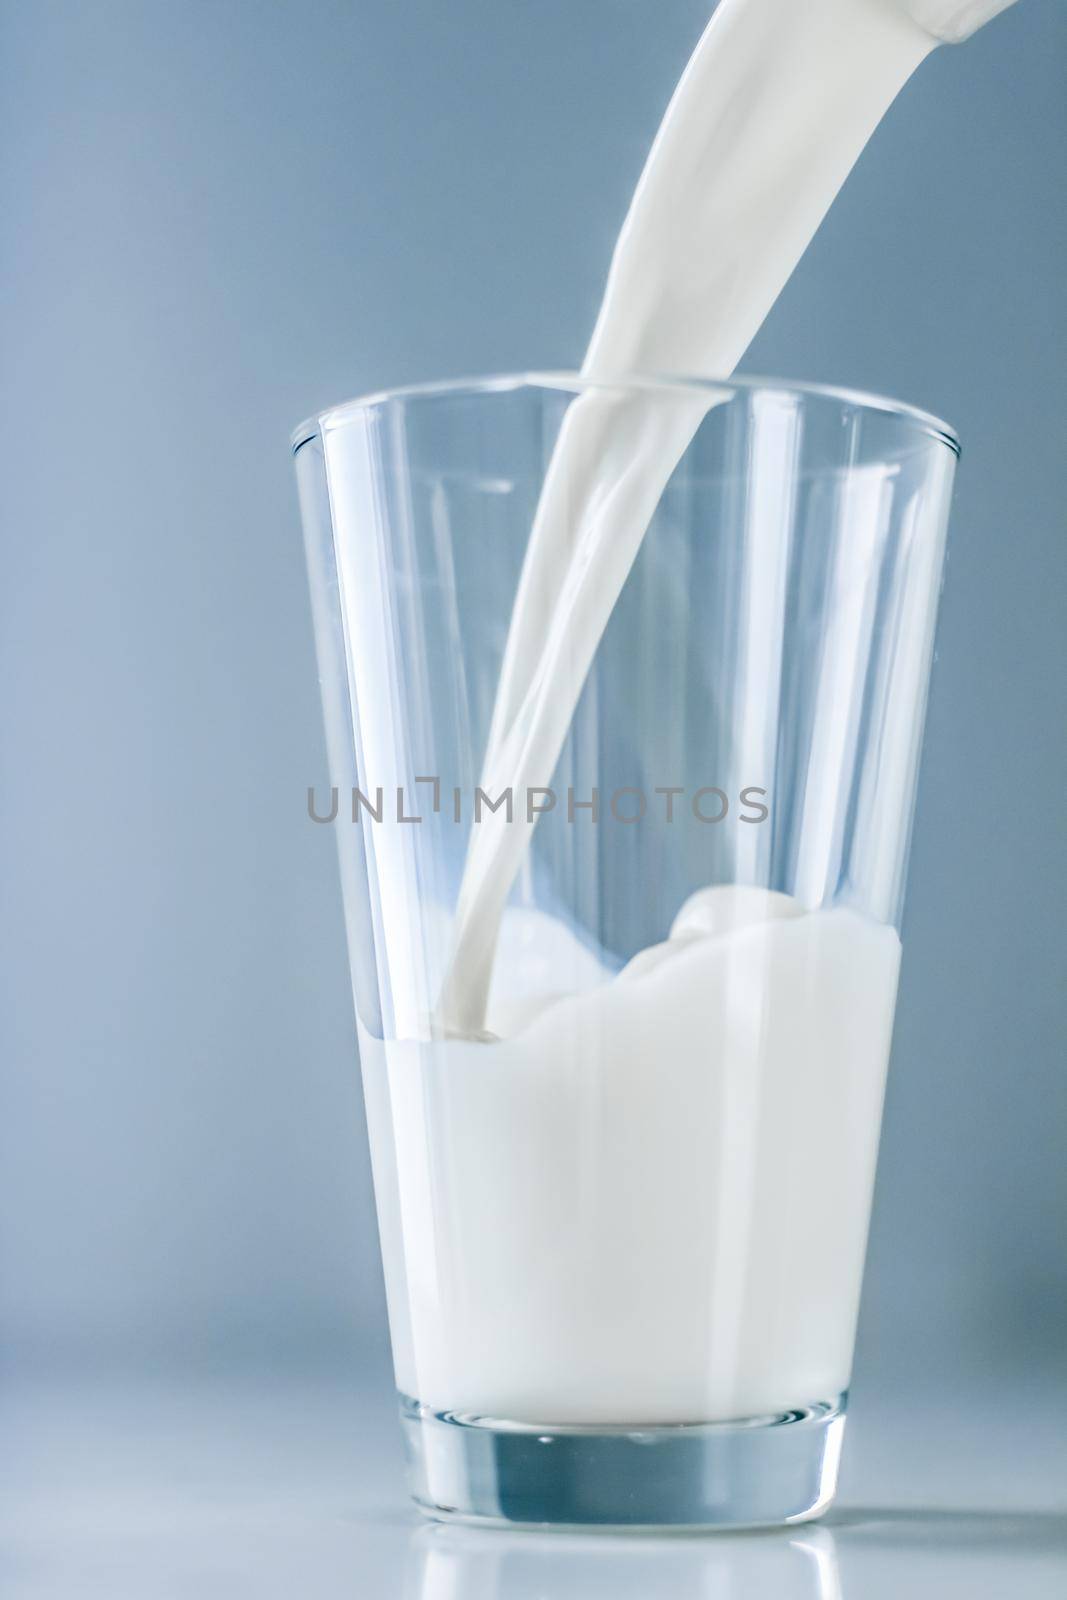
[(219, 217)]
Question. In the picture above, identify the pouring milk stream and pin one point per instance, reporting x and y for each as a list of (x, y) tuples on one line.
[(770, 115)]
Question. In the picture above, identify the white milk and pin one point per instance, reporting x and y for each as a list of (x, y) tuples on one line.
[(650, 1204), (770, 115), (647, 1201)]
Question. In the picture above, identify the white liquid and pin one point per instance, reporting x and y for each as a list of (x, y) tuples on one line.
[(651, 1203), (648, 1201), (769, 117)]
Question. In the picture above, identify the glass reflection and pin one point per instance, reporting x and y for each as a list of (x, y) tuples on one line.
[(451, 1562)]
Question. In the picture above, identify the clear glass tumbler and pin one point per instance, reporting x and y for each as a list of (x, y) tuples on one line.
[(623, 807)]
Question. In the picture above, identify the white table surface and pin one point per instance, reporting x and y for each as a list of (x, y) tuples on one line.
[(295, 1488)]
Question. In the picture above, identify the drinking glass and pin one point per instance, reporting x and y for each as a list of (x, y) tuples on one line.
[(623, 927)]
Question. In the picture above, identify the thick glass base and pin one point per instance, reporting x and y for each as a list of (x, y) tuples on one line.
[(759, 1472)]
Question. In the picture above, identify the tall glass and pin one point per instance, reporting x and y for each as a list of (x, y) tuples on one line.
[(624, 949)]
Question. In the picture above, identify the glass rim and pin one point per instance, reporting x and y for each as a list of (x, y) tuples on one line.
[(575, 382)]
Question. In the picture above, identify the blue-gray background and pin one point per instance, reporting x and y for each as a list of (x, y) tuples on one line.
[(219, 217)]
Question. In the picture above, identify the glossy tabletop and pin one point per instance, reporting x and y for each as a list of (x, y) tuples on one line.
[(281, 1487)]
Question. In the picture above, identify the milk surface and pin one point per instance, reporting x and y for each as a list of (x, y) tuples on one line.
[(649, 1204)]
